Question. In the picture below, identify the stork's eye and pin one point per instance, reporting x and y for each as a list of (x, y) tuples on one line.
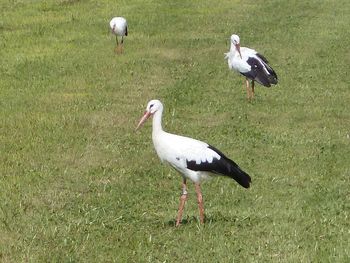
[(150, 106)]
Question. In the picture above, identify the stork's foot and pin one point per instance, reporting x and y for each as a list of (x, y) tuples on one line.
[(118, 49)]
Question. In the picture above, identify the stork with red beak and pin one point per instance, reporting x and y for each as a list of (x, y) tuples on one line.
[(194, 159), (250, 64), (119, 27)]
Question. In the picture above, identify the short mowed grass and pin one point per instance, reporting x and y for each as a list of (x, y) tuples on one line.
[(79, 185)]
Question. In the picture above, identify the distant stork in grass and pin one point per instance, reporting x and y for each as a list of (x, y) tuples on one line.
[(250, 64), (119, 27), (195, 160)]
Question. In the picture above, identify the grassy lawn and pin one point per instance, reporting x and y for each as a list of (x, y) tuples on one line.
[(77, 184)]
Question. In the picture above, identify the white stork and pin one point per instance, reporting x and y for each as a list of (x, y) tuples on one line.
[(119, 27), (195, 160), (250, 64)]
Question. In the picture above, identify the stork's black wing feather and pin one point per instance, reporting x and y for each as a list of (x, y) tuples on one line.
[(273, 76), (257, 72), (223, 166), (263, 58)]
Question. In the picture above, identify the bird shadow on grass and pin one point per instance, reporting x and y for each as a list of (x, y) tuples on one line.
[(210, 220), (185, 221)]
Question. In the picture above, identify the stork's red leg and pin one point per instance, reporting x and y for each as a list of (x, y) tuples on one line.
[(248, 90), (183, 199), (200, 203), (121, 45), (116, 50)]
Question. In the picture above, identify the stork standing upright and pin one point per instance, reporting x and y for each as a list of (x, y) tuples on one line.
[(119, 27), (195, 160), (250, 64)]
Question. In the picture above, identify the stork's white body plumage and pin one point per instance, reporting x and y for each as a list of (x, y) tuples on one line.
[(178, 150), (119, 27), (251, 64), (194, 159)]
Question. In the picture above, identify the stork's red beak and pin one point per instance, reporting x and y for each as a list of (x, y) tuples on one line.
[(238, 47), (143, 119)]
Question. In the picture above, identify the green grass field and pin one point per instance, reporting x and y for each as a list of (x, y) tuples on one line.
[(77, 184)]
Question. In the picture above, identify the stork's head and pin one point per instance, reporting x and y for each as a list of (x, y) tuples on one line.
[(235, 39), (235, 42), (152, 107)]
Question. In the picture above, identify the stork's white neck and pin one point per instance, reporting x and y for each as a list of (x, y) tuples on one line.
[(157, 122), (233, 49), (232, 53)]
